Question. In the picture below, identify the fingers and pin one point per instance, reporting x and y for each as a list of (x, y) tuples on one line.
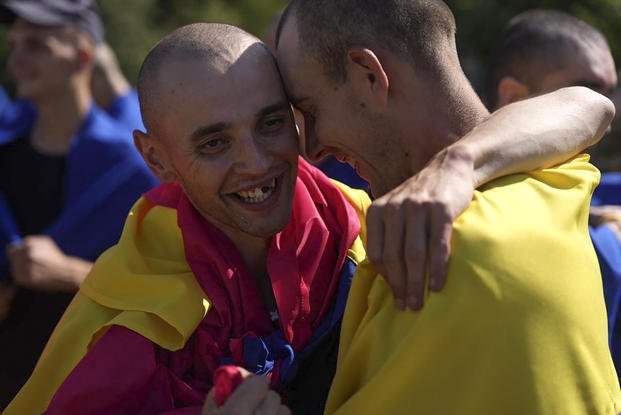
[(270, 405), (375, 230), (247, 397), (392, 256), (210, 406), (415, 254), (19, 258), (440, 231), (252, 397)]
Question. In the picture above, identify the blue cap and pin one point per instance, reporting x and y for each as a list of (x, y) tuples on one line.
[(81, 14)]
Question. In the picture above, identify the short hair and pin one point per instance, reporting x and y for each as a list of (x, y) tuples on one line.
[(215, 43), (535, 43), (413, 29)]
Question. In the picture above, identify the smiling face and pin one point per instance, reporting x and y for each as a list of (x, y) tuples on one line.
[(336, 120), (42, 59), (227, 135)]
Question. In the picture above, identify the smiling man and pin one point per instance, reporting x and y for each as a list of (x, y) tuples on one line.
[(243, 256), (520, 327)]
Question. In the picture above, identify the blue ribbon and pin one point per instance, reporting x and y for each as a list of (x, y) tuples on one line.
[(261, 355)]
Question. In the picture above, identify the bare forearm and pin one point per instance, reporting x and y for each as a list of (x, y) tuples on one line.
[(535, 133)]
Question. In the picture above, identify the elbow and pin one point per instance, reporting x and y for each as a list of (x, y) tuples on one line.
[(597, 106)]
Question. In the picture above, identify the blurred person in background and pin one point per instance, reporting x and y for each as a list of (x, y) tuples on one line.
[(68, 176), (112, 91), (541, 51)]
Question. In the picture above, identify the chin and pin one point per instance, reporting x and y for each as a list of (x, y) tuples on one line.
[(270, 227)]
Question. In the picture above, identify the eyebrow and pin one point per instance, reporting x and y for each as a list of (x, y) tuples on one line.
[(203, 131), (273, 108)]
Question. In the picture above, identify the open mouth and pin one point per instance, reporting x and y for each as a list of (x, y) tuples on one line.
[(258, 194)]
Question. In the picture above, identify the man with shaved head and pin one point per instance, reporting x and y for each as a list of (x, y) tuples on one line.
[(243, 256), (520, 327), (541, 51)]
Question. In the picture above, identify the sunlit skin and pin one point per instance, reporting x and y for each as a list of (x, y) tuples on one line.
[(232, 135), (337, 121)]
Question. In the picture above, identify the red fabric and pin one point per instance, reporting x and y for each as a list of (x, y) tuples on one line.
[(125, 371), (225, 380)]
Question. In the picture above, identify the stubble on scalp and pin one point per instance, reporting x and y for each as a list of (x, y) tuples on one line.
[(215, 45)]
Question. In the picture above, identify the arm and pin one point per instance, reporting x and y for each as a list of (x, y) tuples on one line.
[(37, 262), (536, 133), (527, 135)]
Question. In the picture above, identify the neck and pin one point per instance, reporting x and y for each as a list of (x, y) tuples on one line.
[(59, 118), (455, 111), (254, 251)]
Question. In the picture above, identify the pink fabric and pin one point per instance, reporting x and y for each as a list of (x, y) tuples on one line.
[(125, 373)]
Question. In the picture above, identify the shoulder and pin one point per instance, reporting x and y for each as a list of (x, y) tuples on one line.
[(147, 274)]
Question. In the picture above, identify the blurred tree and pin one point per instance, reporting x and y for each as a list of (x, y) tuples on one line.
[(480, 22), (133, 26)]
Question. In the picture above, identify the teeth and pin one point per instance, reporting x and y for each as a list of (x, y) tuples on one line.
[(258, 194)]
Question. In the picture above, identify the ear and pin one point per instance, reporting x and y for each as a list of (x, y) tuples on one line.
[(366, 71), (154, 155), (511, 90)]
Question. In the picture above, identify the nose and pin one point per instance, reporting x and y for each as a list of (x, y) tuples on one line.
[(253, 157)]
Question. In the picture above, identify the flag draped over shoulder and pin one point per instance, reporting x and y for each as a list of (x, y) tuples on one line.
[(520, 327), (173, 300)]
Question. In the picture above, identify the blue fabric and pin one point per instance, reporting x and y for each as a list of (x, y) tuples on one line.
[(609, 190), (608, 249), (126, 110), (5, 101), (105, 176), (262, 355), (342, 172)]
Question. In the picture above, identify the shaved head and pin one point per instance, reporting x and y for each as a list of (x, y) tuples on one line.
[(539, 42), (219, 124), (216, 46), (420, 31)]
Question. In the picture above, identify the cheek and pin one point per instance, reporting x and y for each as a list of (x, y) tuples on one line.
[(286, 145)]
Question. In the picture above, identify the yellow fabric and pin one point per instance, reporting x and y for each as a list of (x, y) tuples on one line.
[(143, 283), (520, 327), (360, 200)]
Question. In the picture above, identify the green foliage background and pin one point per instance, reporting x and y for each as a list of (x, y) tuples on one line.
[(133, 27)]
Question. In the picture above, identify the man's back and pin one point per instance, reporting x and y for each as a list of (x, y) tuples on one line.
[(520, 327)]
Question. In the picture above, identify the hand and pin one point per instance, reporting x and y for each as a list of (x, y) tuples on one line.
[(603, 214), (409, 229), (252, 396), (37, 262)]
